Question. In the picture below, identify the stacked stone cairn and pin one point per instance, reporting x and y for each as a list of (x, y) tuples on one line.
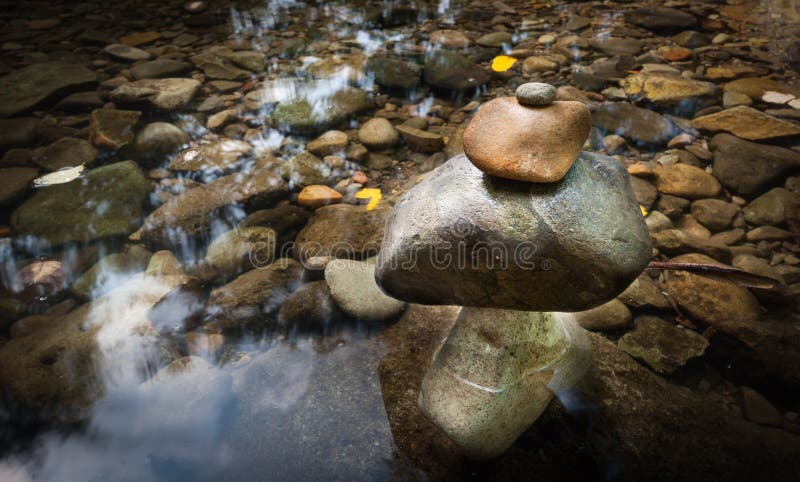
[(519, 229)]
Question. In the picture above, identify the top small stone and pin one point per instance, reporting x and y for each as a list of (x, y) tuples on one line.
[(536, 93)]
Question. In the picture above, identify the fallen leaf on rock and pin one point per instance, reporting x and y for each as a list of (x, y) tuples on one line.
[(371, 193)]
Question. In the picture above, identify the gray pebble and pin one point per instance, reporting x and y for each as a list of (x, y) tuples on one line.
[(536, 93)]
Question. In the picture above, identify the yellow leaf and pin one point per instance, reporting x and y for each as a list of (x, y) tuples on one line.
[(371, 193), (501, 63), (644, 211)]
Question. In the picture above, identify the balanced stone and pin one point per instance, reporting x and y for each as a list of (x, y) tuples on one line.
[(536, 93), (512, 141), (461, 237)]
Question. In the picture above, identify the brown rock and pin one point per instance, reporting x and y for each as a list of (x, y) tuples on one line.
[(747, 123), (509, 140), (686, 181), (419, 140), (112, 128), (317, 195), (710, 301)]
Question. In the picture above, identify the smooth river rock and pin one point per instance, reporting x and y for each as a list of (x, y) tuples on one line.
[(28, 87), (461, 237)]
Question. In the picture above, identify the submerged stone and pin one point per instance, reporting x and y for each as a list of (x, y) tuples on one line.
[(462, 237), (496, 373), (106, 201), (29, 87), (301, 115)]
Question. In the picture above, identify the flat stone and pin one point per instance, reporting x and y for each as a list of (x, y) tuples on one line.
[(126, 52), (221, 155), (163, 94), (29, 87), (494, 39), (69, 212), (637, 125), (662, 346), (748, 167), (618, 46), (511, 141), (471, 238), (747, 123), (160, 68), (661, 18), (139, 38), (65, 152), (686, 181), (452, 39), (112, 128), (353, 287), (665, 88)]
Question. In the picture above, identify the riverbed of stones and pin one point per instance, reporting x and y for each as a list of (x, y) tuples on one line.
[(222, 157)]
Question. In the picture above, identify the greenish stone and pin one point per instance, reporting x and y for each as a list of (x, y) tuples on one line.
[(462, 237), (106, 201), (497, 371), (299, 116)]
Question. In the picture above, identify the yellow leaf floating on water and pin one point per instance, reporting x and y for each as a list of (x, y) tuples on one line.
[(644, 211), (501, 63), (371, 193)]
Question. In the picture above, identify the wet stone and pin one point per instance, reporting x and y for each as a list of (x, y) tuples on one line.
[(664, 347), (66, 152), (30, 86), (507, 215), (352, 285), (68, 212)]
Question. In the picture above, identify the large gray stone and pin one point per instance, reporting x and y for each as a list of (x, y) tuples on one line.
[(106, 201), (26, 88), (748, 167), (462, 237)]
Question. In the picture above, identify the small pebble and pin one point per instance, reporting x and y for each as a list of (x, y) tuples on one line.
[(536, 93)]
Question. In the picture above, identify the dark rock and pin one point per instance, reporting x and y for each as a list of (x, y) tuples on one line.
[(65, 152), (70, 212), (18, 132), (342, 231), (251, 296), (637, 125), (160, 68), (748, 167), (393, 73), (453, 72), (663, 346), (311, 307), (661, 18), (14, 183), (188, 217), (31, 86)]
